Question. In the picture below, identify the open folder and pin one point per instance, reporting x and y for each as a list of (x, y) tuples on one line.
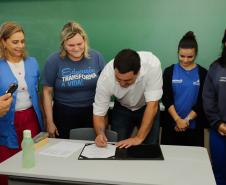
[(111, 152)]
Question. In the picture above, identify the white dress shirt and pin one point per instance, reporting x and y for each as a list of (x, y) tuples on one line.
[(147, 87)]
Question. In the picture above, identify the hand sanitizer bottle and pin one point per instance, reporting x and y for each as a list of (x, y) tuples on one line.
[(28, 156)]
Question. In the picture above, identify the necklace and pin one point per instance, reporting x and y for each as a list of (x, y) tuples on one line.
[(17, 68)]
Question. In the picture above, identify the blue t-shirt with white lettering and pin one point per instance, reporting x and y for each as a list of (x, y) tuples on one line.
[(185, 89), (73, 82)]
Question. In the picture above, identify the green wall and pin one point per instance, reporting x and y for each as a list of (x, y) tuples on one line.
[(155, 25)]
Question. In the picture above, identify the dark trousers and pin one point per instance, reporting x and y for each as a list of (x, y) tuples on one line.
[(67, 118), (123, 121), (190, 137)]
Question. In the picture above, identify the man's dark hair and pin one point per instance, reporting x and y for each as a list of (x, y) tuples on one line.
[(188, 41), (127, 60)]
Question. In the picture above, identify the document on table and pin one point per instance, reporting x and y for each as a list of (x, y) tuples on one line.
[(62, 149), (92, 151)]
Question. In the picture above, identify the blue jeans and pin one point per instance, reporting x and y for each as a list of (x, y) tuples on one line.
[(123, 121)]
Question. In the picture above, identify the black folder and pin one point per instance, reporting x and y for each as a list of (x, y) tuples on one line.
[(139, 152)]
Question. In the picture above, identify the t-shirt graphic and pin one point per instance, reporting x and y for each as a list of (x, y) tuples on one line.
[(74, 78), (74, 83)]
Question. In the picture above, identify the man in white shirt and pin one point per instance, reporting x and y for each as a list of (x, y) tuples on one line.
[(135, 80)]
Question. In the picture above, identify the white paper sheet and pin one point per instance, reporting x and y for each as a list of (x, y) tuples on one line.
[(92, 151), (62, 149)]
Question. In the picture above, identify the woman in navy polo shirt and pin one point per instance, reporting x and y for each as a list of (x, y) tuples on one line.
[(214, 99), (182, 90)]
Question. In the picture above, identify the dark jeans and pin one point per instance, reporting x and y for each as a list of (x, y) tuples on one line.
[(67, 118), (123, 121)]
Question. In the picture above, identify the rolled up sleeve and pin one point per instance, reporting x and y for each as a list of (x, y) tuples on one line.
[(153, 89), (103, 95)]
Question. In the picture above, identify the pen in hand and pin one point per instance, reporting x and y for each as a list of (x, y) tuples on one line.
[(101, 140)]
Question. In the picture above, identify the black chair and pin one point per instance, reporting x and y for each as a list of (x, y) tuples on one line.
[(90, 135)]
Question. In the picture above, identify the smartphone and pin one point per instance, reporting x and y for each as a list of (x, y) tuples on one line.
[(12, 88)]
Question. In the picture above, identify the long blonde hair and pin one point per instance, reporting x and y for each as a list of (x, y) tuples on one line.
[(7, 29), (70, 30)]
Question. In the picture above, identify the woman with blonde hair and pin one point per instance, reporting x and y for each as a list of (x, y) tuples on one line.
[(24, 113), (69, 81)]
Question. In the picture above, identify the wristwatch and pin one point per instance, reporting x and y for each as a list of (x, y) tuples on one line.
[(188, 119)]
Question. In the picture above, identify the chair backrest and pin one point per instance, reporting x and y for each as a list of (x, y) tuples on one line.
[(90, 135)]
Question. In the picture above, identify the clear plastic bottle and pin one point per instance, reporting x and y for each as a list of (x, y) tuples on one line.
[(28, 156)]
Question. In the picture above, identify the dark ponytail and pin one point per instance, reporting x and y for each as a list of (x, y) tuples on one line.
[(224, 38), (223, 54), (188, 41)]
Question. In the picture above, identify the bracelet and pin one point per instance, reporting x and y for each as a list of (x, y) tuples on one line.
[(188, 119)]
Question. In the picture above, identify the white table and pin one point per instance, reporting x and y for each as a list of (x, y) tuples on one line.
[(182, 166)]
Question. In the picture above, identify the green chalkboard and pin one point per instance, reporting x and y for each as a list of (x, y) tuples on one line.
[(155, 25)]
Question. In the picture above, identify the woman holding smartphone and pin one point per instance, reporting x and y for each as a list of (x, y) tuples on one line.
[(24, 112)]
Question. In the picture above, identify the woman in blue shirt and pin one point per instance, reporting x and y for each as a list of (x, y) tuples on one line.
[(69, 78), (24, 113), (182, 90)]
